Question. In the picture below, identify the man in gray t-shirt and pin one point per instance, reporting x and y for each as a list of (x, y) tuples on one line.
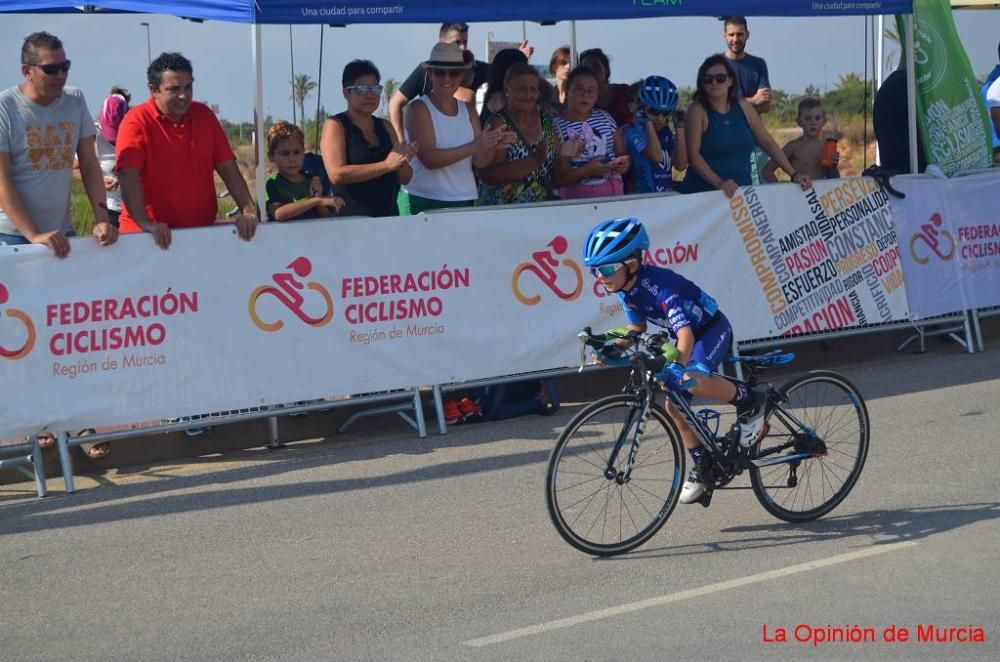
[(43, 125)]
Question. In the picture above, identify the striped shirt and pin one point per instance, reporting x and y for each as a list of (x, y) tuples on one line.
[(598, 132)]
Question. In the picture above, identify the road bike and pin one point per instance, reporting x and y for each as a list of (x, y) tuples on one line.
[(615, 474)]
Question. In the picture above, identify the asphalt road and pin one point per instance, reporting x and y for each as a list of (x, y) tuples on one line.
[(441, 549)]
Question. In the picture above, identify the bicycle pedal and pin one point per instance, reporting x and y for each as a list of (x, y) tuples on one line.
[(705, 499)]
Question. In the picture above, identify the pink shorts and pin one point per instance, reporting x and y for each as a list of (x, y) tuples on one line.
[(608, 186)]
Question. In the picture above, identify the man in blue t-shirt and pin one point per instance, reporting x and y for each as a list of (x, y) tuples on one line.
[(755, 86)]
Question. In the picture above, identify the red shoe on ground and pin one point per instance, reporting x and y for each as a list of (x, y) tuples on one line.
[(469, 409), (452, 412)]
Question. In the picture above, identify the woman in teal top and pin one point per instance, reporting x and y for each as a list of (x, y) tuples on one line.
[(722, 129)]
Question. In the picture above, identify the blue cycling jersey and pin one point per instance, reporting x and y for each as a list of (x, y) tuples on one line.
[(650, 177), (669, 300)]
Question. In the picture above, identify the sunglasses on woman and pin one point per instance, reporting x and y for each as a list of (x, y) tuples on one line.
[(708, 79), (607, 270), (448, 73), (53, 69), (365, 89)]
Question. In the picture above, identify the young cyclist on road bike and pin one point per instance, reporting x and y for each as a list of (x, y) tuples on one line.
[(614, 253)]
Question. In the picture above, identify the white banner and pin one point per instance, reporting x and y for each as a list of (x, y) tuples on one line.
[(949, 231), (808, 262), (312, 309)]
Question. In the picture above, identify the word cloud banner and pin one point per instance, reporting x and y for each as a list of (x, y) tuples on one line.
[(821, 260), (949, 235)]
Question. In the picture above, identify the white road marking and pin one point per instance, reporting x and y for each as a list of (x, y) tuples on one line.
[(610, 612)]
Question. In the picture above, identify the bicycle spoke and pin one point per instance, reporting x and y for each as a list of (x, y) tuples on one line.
[(599, 515), (829, 407)]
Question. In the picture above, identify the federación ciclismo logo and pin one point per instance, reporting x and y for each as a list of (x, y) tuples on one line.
[(291, 292), (543, 269), (938, 241), (29, 327)]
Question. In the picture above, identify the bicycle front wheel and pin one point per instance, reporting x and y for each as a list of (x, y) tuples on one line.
[(595, 506), (833, 412)]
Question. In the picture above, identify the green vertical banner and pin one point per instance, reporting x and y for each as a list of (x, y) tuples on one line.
[(950, 114)]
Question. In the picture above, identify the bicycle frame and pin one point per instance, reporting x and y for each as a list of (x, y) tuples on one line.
[(640, 383)]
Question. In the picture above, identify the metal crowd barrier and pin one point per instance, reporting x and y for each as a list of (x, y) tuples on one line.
[(963, 327), (978, 314), (400, 402)]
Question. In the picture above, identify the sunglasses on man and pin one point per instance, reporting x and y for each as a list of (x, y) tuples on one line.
[(365, 89), (708, 79), (607, 270), (53, 69)]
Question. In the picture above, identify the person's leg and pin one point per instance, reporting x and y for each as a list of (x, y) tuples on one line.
[(709, 349)]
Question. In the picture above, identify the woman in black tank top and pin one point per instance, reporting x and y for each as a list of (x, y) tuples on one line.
[(371, 171)]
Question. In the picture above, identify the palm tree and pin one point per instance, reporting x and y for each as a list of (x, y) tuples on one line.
[(302, 86), (388, 88)]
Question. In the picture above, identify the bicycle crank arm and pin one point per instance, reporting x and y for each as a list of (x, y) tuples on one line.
[(781, 459)]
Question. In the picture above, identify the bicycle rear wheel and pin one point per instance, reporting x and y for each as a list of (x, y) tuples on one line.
[(835, 413), (606, 516)]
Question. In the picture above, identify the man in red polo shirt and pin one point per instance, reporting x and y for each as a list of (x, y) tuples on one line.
[(166, 152)]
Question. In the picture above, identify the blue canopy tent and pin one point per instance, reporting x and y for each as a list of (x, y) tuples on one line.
[(437, 11), (259, 12)]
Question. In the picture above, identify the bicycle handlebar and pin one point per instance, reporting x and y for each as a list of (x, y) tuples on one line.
[(645, 347)]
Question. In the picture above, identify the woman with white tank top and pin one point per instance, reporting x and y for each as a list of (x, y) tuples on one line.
[(448, 137)]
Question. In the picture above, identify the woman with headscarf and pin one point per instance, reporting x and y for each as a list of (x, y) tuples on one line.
[(113, 110)]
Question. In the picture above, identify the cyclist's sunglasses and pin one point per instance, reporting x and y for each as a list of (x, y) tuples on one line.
[(365, 89), (53, 69), (607, 270), (708, 79), (658, 113)]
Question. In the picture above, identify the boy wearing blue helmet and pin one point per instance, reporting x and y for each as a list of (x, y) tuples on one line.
[(614, 252), (653, 147)]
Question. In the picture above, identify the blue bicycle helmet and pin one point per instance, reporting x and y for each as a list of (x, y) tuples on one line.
[(658, 93), (614, 241)]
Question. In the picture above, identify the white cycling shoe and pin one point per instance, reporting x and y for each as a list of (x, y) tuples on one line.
[(693, 487)]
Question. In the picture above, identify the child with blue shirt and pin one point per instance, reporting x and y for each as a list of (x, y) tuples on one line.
[(654, 149)]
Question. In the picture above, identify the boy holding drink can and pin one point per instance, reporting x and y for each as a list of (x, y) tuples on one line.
[(809, 153)]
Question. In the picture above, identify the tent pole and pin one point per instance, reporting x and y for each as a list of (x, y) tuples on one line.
[(258, 120), (572, 43), (911, 93), (880, 50), (879, 73), (291, 55)]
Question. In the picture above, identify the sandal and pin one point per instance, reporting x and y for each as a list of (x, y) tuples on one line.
[(46, 440), (95, 451)]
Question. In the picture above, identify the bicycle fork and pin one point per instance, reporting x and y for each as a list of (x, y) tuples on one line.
[(623, 476)]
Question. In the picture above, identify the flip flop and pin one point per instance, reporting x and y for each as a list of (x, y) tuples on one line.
[(95, 451)]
